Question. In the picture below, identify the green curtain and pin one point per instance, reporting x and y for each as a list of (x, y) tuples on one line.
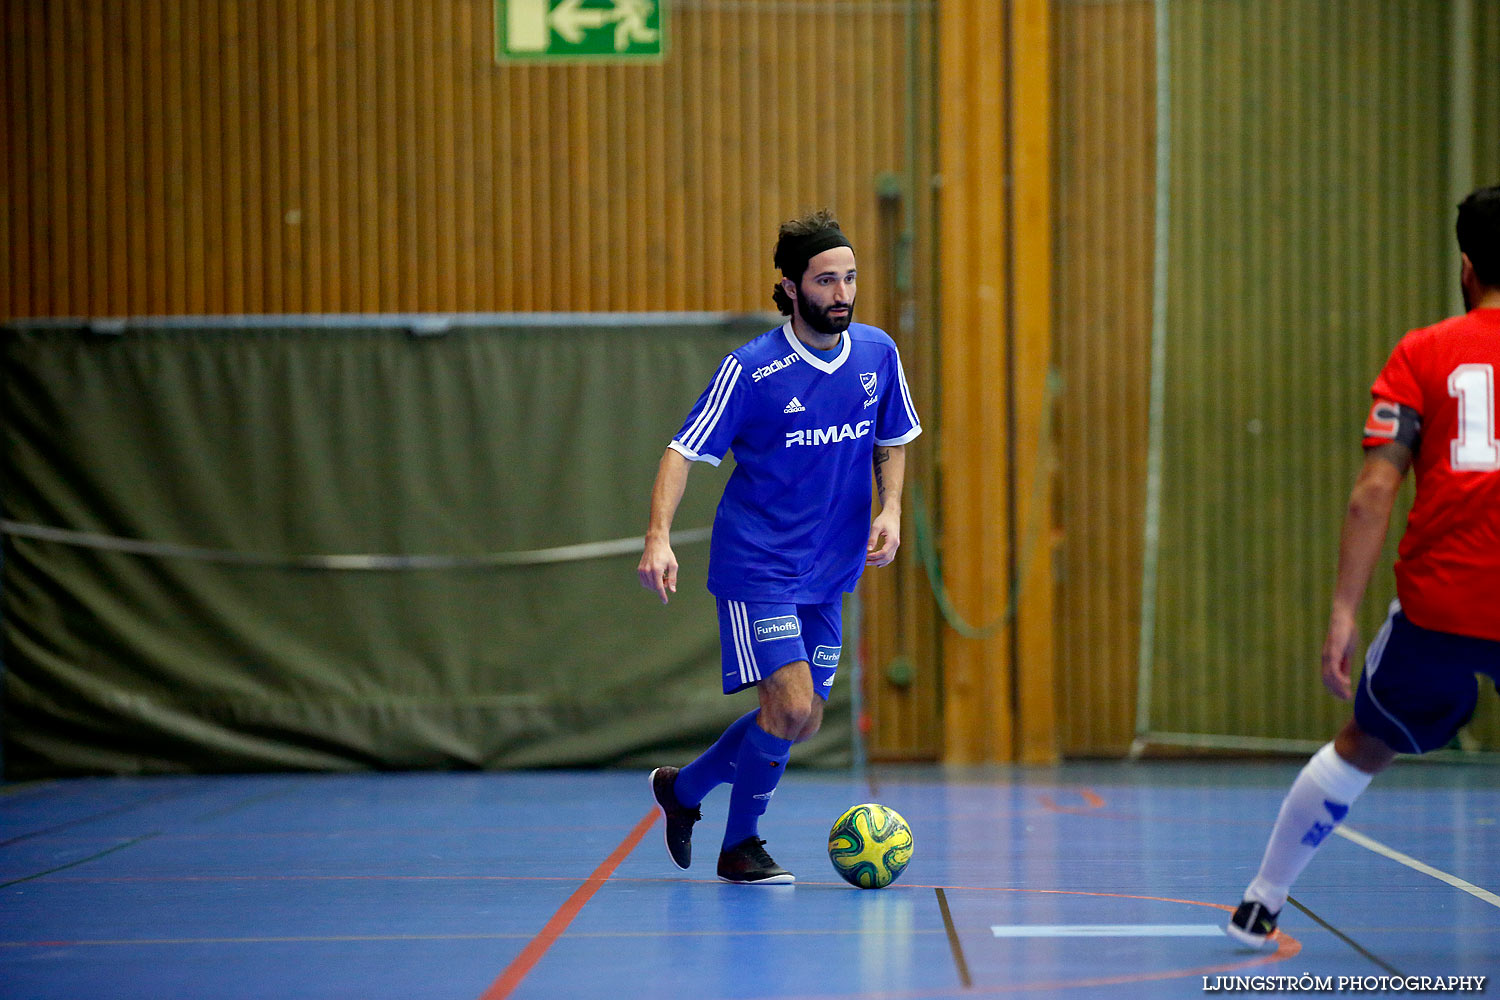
[(258, 441)]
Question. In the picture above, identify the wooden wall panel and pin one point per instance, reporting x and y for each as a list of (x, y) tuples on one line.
[(1306, 232), (1103, 212), (994, 333), (1037, 740), (1311, 227), (226, 156), (900, 634), (1486, 96), (979, 706)]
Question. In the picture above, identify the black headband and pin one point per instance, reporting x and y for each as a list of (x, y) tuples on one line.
[(793, 255)]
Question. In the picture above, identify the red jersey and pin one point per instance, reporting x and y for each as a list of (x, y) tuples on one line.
[(1448, 565)]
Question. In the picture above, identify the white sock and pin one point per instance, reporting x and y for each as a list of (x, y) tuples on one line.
[(1317, 802)]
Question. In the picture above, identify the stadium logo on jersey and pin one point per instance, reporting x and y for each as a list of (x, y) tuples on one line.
[(774, 366), (828, 435), (867, 379), (795, 406), (785, 627), (827, 656)]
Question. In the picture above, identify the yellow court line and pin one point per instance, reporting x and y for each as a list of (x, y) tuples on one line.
[(1414, 864)]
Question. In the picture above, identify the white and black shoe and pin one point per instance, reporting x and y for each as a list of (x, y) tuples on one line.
[(680, 819), (1252, 924)]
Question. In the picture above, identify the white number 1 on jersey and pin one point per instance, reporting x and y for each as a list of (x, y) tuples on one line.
[(1475, 449)]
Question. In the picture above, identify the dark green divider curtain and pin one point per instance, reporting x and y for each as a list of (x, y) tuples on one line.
[(321, 439)]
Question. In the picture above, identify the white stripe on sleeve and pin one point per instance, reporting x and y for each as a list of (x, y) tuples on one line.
[(911, 410), (690, 454), (718, 399)]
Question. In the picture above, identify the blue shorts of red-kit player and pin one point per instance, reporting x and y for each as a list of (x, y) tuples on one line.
[(1419, 687), (756, 640)]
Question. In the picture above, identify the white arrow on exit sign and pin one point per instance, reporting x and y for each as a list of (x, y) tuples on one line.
[(566, 28), (571, 21)]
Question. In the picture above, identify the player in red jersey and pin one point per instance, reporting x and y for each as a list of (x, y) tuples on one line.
[(1435, 409)]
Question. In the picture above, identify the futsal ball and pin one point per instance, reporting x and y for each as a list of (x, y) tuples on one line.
[(870, 845)]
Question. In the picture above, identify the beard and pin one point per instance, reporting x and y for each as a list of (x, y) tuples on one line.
[(823, 323)]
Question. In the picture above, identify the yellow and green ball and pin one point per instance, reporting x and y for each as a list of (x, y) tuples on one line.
[(870, 845)]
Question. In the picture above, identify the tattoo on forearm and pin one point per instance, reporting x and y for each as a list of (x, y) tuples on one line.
[(882, 455)]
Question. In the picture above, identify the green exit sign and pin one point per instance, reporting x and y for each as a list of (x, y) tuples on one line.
[(594, 30)]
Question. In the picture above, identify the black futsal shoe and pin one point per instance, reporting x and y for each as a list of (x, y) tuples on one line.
[(680, 818), (747, 863), (1252, 924)]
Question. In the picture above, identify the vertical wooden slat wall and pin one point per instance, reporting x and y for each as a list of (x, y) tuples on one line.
[(1103, 210), (1486, 62), (1303, 239), (1311, 226), (979, 703), (900, 636), (1033, 468), (218, 156), (994, 336)]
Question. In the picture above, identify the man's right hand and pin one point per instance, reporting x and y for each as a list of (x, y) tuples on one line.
[(658, 567), (1338, 654)]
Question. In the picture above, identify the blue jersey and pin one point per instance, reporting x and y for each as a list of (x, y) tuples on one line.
[(795, 516)]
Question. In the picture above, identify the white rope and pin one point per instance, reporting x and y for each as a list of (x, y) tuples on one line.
[(343, 562)]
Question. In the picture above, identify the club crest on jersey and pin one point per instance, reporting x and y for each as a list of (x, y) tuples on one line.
[(828, 435), (867, 379), (774, 366)]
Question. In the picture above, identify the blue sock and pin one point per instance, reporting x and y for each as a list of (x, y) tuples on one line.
[(715, 765), (757, 769)]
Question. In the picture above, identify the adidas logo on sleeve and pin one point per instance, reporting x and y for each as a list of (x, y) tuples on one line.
[(795, 406)]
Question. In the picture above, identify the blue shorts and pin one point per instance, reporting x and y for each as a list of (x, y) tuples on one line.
[(756, 640), (1418, 687)]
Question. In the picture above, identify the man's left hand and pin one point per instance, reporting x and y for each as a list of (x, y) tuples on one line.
[(885, 539)]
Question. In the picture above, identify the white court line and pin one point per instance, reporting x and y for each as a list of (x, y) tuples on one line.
[(1106, 930), (1410, 862)]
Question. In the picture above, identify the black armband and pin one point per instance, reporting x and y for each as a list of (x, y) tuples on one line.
[(1389, 422)]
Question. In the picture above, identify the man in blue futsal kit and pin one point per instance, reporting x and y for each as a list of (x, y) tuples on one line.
[(813, 410)]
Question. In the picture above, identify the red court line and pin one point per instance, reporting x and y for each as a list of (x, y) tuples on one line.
[(1092, 801), (537, 947), (115, 879)]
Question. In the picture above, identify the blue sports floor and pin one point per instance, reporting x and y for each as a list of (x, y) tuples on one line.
[(1087, 880)]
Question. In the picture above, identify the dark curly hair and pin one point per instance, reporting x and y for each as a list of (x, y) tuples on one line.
[(790, 241)]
